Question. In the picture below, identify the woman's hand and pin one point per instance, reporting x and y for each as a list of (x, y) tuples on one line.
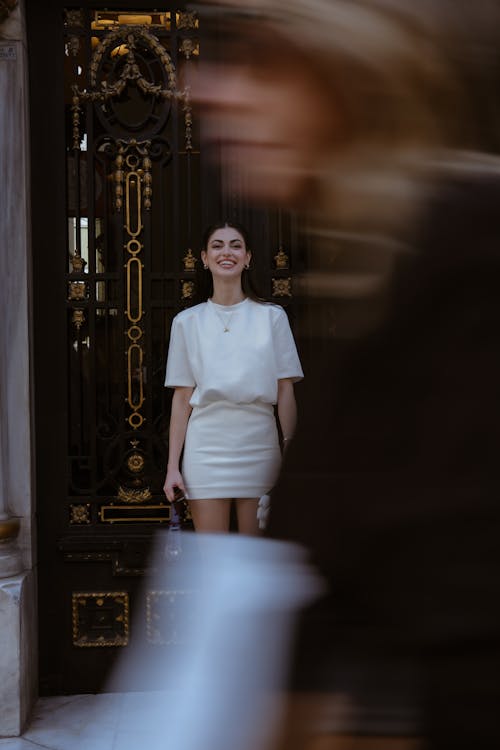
[(287, 411), (173, 480), (181, 411)]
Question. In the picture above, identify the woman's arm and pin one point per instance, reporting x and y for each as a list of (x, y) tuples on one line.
[(181, 411), (287, 409)]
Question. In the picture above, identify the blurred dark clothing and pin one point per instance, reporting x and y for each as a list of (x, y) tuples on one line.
[(393, 483)]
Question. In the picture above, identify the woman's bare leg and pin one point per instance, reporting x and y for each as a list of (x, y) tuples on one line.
[(210, 516), (246, 511)]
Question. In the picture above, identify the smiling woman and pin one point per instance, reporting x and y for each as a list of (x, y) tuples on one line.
[(230, 360), (223, 244)]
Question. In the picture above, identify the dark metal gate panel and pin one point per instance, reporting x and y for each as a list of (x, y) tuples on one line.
[(130, 126), (119, 198)]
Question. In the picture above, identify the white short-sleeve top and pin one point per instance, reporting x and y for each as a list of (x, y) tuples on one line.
[(241, 364)]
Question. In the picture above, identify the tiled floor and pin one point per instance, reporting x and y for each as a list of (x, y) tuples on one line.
[(86, 722), (126, 721)]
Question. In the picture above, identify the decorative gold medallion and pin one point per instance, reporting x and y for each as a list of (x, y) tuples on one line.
[(282, 287), (187, 289), (281, 259)]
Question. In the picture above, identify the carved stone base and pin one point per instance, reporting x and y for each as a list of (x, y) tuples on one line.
[(18, 653), (10, 555), (10, 559)]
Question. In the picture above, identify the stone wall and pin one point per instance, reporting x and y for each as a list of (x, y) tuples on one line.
[(18, 625)]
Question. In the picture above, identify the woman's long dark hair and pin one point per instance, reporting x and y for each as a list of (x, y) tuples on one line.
[(248, 285)]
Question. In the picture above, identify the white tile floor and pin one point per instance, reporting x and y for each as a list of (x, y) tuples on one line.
[(135, 721), (126, 721), (85, 722)]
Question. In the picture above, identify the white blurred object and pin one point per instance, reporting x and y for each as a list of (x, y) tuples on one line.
[(222, 688), (263, 509)]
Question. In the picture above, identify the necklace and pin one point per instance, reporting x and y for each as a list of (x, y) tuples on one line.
[(225, 317), (225, 322)]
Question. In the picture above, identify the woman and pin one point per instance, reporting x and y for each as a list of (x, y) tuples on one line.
[(230, 360)]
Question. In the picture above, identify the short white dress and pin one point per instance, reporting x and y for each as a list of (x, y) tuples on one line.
[(233, 357)]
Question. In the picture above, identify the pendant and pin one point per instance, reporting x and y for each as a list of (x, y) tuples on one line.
[(226, 330)]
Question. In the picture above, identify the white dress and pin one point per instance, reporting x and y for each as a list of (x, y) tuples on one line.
[(233, 357)]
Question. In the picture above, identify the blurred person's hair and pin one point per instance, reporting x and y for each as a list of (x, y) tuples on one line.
[(417, 85)]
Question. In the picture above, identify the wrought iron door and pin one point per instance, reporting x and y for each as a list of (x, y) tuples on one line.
[(119, 197)]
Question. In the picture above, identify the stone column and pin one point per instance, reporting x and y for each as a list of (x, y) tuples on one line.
[(17, 583), (10, 559), (10, 555)]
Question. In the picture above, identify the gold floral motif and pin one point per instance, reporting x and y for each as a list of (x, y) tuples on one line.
[(188, 125), (77, 264), (282, 287), (76, 109), (78, 318), (118, 179), (187, 289), (133, 170), (126, 38), (79, 513), (77, 290), (135, 463), (147, 179), (134, 496), (73, 17), (74, 45), (189, 261), (131, 70), (187, 20), (281, 259), (189, 48)]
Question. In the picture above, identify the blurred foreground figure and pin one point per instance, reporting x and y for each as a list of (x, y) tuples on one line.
[(218, 682), (381, 119)]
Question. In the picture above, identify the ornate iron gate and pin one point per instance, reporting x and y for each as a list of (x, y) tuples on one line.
[(120, 194), (131, 148)]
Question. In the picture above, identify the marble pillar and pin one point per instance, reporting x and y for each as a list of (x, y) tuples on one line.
[(18, 674)]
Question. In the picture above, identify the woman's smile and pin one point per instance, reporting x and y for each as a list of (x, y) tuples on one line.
[(226, 263), (226, 253)]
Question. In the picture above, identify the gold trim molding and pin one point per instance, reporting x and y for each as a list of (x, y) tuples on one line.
[(134, 513), (9, 529)]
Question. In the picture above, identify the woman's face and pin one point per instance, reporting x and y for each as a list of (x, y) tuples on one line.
[(273, 118), (226, 255)]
